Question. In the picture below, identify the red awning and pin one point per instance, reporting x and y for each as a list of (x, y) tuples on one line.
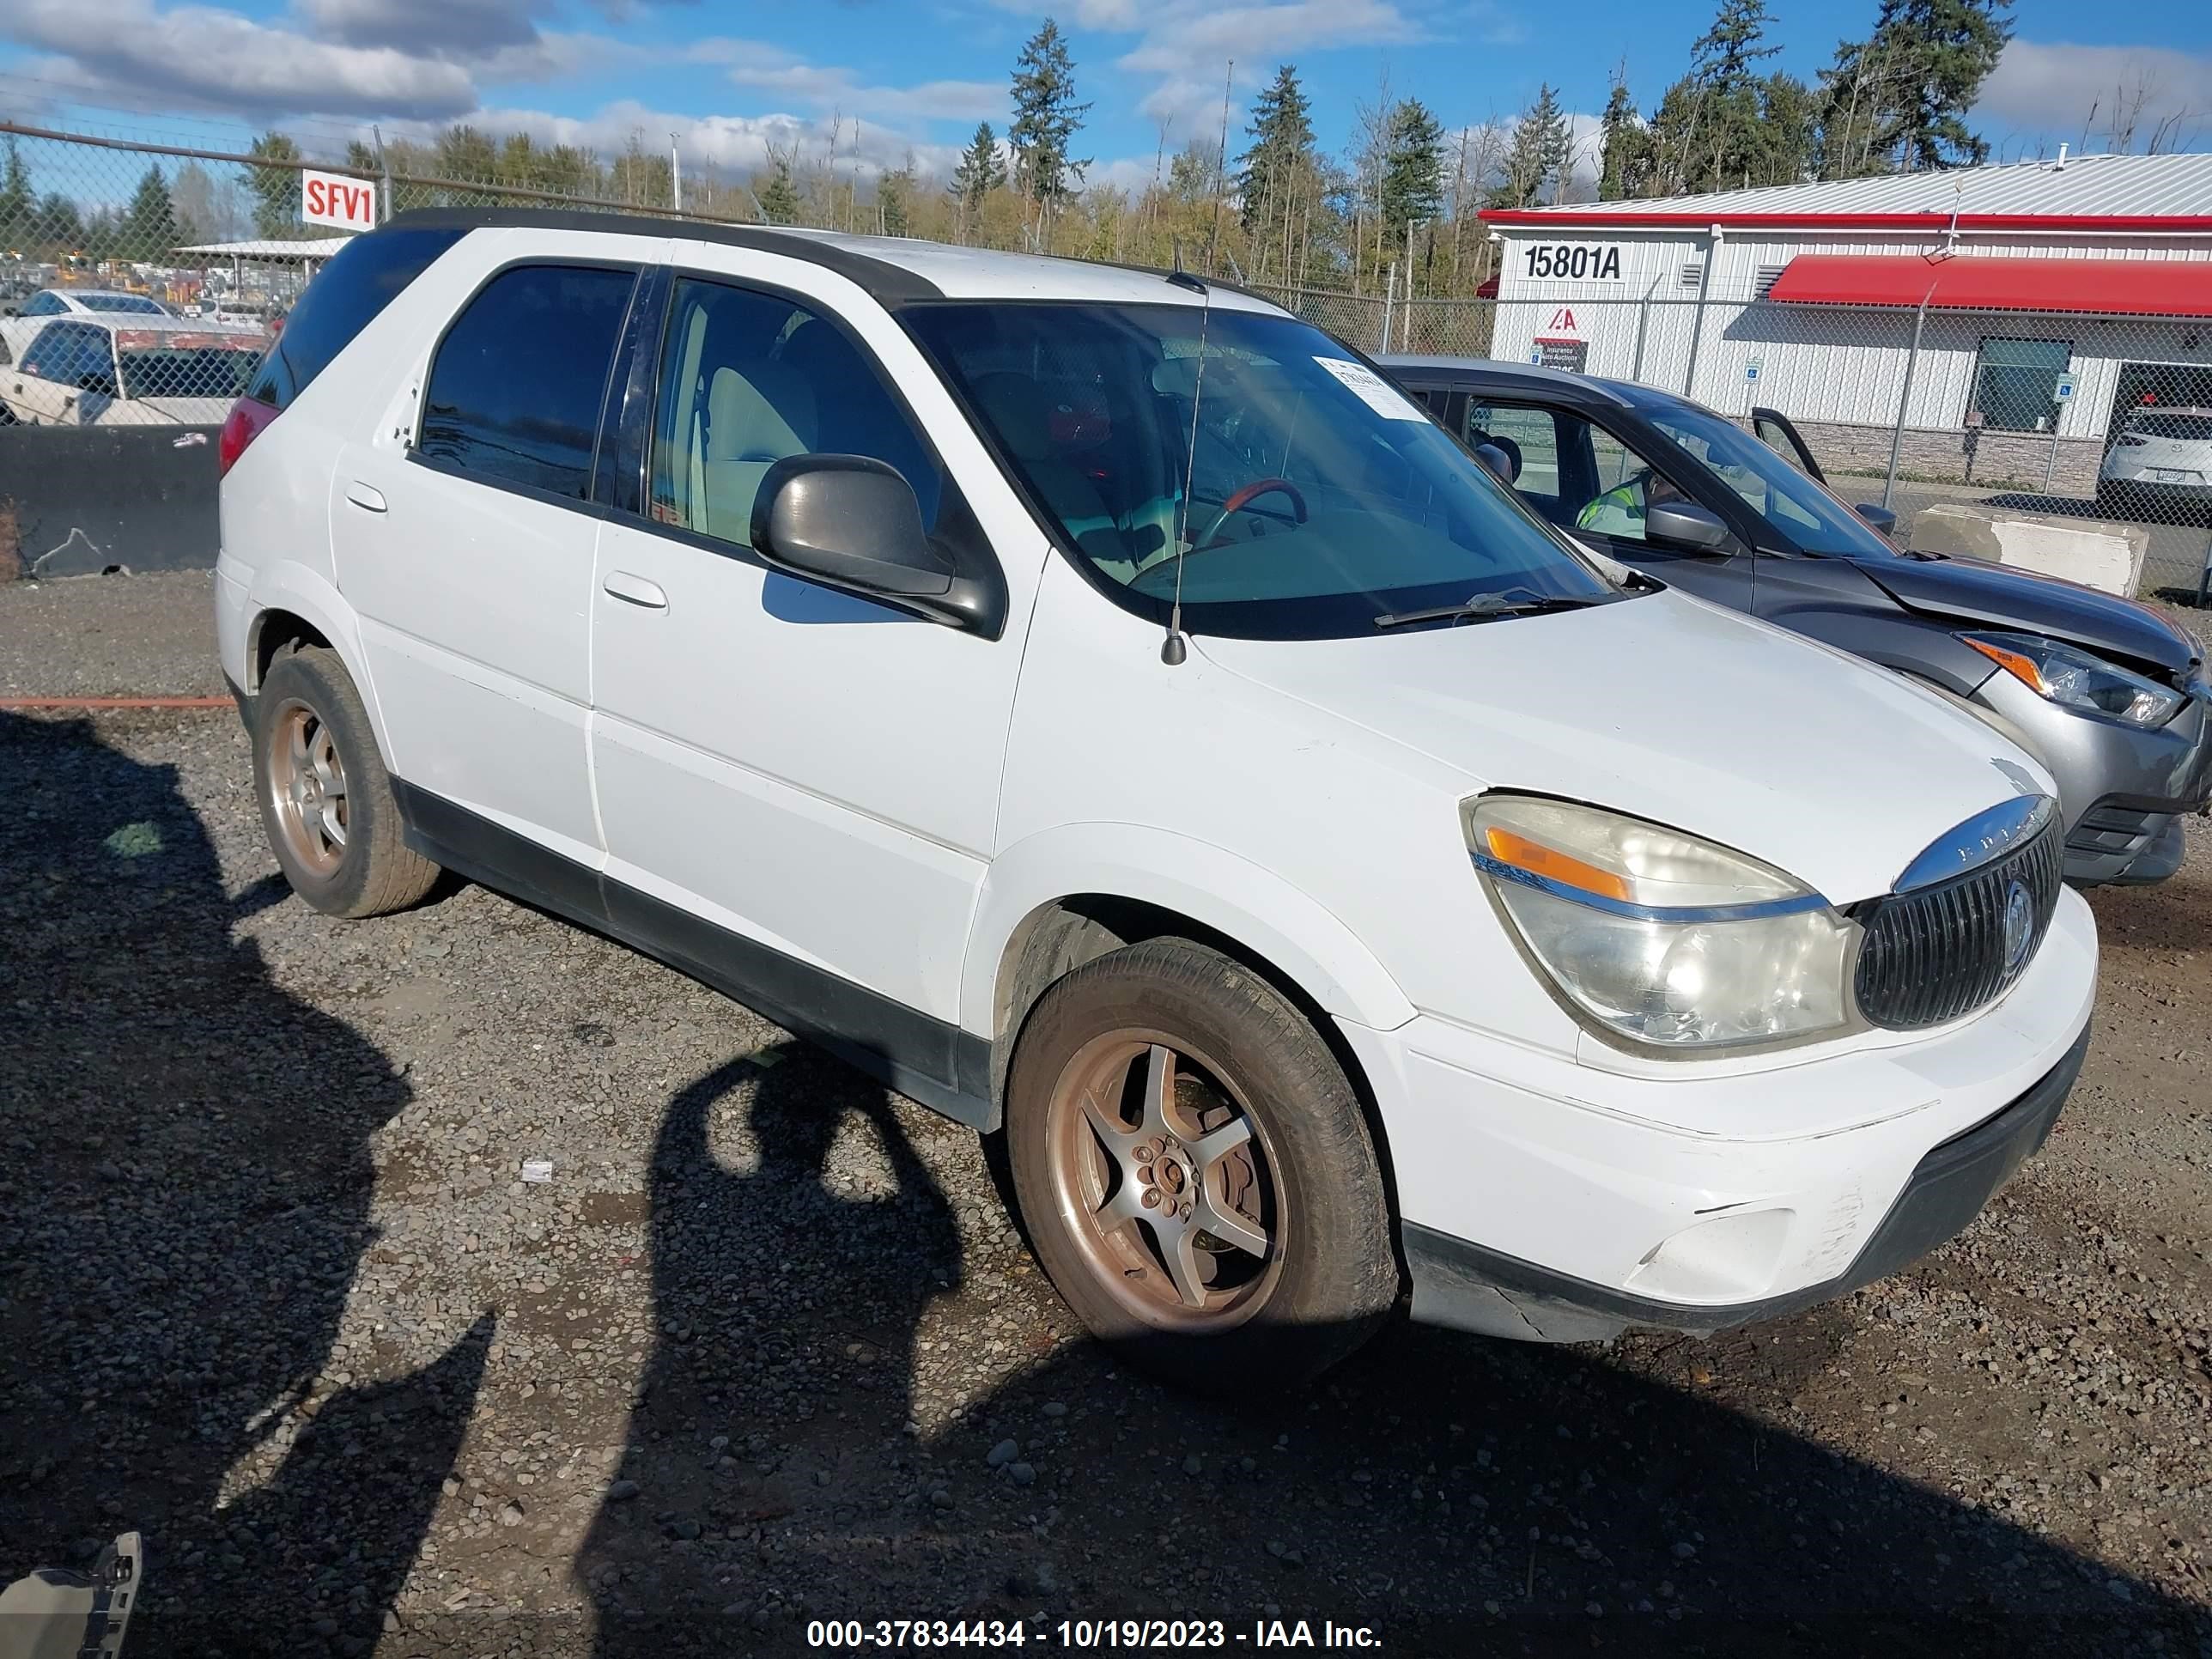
[(2152, 287)]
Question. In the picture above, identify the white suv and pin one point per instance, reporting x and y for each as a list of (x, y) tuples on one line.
[(1103, 708)]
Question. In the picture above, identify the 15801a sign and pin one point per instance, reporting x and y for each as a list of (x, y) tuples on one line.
[(1576, 261)]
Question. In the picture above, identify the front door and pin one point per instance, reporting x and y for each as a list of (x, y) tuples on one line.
[(813, 774), (468, 555), (1585, 479)]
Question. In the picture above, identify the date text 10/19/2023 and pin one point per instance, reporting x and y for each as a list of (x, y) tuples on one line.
[(1087, 1634)]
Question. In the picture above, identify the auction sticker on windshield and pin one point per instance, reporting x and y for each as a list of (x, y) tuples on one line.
[(1373, 390)]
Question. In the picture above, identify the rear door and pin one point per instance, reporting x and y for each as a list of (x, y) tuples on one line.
[(466, 544)]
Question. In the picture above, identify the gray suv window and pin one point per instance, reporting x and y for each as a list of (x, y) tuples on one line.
[(519, 380)]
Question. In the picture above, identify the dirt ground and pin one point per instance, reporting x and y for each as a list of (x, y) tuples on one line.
[(767, 1349)]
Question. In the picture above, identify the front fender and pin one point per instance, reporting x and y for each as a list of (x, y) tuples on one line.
[(1229, 894)]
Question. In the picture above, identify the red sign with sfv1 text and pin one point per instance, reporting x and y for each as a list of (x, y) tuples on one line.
[(330, 199)]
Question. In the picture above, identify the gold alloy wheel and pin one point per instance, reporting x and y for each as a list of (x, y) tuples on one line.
[(307, 787), (1162, 1173)]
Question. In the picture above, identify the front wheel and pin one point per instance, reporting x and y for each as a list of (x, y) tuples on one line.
[(1195, 1171)]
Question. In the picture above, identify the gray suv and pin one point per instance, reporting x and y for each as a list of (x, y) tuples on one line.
[(2112, 696)]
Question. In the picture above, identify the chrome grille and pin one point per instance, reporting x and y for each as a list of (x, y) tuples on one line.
[(1938, 952)]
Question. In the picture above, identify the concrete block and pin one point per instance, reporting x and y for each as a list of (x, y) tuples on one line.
[(2093, 552)]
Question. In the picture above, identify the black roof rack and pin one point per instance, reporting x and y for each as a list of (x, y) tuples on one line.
[(891, 283)]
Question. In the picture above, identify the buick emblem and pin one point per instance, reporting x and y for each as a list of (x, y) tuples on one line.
[(2018, 926)]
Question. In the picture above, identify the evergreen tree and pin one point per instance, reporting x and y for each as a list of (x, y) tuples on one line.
[(57, 225), (1897, 102), (149, 230), (1539, 155), (275, 189), (779, 198), (979, 172), (1413, 180), (19, 208), (1046, 118), (1625, 153), (894, 198), (1277, 167)]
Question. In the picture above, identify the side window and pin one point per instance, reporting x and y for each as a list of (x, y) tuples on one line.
[(366, 276), (1777, 440), (1574, 472), (748, 379), (516, 387), (44, 304), (69, 352), (1530, 439)]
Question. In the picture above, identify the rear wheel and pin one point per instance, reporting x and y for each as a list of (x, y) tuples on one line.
[(326, 800), (1195, 1171)]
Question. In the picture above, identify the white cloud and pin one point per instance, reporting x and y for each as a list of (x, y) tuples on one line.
[(2058, 89), (760, 67), (733, 144), (1190, 44), (199, 57)]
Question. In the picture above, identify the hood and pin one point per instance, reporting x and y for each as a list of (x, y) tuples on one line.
[(1972, 593), (1674, 710)]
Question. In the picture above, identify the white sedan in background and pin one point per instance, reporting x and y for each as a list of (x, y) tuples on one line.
[(130, 370)]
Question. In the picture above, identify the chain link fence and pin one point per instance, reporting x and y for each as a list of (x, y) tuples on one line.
[(140, 281)]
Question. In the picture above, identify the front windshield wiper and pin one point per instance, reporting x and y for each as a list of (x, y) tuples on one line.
[(1488, 607)]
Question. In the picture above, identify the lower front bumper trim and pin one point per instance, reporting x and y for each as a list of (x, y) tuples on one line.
[(1464, 1286)]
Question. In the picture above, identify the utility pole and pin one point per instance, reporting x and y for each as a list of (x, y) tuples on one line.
[(675, 176)]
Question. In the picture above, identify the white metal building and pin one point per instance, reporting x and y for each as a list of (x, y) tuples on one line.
[(2048, 299)]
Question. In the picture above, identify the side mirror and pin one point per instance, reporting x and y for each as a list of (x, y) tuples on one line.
[(1685, 524), (1500, 463), (851, 522), (1879, 517)]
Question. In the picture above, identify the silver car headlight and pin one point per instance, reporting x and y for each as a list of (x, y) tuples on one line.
[(2074, 679), (1661, 938)]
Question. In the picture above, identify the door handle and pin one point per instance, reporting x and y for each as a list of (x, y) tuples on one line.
[(634, 590), (361, 495)]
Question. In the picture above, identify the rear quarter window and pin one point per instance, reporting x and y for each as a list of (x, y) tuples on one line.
[(368, 275), (517, 386)]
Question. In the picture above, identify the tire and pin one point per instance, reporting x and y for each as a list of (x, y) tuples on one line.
[(340, 846), (1300, 1271)]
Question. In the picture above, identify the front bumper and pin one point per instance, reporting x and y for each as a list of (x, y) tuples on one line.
[(2125, 791), (1608, 1190), (1463, 1286)]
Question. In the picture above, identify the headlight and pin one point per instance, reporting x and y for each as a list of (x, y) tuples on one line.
[(2076, 680), (1660, 937)]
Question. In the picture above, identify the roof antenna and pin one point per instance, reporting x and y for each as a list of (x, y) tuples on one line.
[(1176, 647)]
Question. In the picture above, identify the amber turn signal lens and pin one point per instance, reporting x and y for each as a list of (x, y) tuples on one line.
[(1538, 860)]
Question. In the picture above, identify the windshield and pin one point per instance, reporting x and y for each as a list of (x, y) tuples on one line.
[(186, 371), (130, 303), (1319, 497), (1815, 521)]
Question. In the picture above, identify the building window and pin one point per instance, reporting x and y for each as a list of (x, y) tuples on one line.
[(2016, 382)]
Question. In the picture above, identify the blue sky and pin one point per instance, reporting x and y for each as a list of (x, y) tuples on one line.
[(888, 76)]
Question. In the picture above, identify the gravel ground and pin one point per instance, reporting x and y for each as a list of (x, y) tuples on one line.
[(767, 1347), (105, 637)]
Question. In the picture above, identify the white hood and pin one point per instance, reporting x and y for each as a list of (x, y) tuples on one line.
[(1674, 710)]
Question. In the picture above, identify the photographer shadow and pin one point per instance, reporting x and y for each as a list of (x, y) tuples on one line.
[(184, 1204)]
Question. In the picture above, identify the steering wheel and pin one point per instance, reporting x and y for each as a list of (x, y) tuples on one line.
[(1250, 493)]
